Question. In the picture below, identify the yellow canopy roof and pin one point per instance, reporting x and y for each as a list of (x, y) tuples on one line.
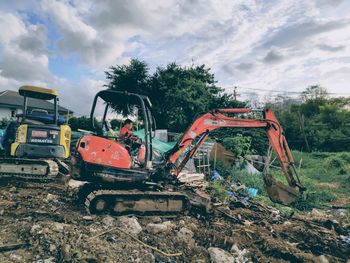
[(38, 92)]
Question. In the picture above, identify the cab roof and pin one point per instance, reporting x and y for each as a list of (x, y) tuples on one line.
[(38, 92)]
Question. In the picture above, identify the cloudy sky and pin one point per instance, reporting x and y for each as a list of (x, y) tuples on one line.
[(263, 46)]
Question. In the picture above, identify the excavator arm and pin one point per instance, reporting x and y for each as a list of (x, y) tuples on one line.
[(201, 127)]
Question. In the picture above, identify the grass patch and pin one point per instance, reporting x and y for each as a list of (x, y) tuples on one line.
[(325, 175)]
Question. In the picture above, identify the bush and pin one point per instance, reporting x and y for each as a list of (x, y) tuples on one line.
[(313, 198), (239, 144), (218, 190), (339, 162)]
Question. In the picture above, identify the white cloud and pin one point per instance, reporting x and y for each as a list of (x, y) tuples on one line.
[(271, 45), (23, 50)]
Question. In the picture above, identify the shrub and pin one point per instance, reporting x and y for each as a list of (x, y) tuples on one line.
[(218, 190), (338, 162)]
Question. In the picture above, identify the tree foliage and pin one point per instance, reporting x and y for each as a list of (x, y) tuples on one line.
[(178, 94), (318, 122)]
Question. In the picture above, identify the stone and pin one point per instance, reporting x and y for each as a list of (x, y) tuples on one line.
[(287, 223), (146, 258), (58, 226), (35, 229), (159, 228), (16, 258), (108, 221), (88, 218), (218, 255), (317, 213), (52, 248), (65, 252), (51, 198), (49, 260), (130, 225), (322, 259), (156, 228), (185, 234), (156, 219), (239, 255)]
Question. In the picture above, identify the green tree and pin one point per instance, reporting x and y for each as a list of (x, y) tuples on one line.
[(319, 122), (80, 123), (178, 94)]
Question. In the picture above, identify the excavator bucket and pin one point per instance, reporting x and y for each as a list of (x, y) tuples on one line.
[(279, 192)]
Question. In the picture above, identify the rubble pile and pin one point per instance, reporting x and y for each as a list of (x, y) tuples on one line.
[(47, 226)]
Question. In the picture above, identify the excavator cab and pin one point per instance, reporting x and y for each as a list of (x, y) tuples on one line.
[(104, 156), (36, 142), (40, 134)]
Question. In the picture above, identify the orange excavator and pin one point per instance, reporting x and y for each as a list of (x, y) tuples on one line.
[(119, 186)]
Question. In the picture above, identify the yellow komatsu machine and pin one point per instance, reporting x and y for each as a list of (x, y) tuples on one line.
[(36, 143)]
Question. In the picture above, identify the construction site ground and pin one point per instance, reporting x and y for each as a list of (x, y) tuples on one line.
[(42, 223)]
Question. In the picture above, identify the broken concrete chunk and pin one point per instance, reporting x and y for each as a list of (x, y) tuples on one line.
[(185, 234), (146, 258), (51, 198), (239, 255), (130, 225), (156, 228), (108, 221), (317, 213), (159, 228), (218, 255), (322, 259), (16, 258)]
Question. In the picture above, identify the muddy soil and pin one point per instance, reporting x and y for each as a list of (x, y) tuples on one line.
[(49, 226)]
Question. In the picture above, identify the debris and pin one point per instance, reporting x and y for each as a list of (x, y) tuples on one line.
[(16, 257), (66, 253), (58, 226), (322, 259), (251, 169), (218, 255), (130, 225), (151, 247), (109, 221), (190, 177), (88, 218), (159, 228), (103, 233), (50, 198), (35, 228), (240, 255), (186, 238), (48, 260), (146, 258), (346, 239), (10, 247), (237, 186), (215, 176), (185, 234), (253, 192), (317, 213)]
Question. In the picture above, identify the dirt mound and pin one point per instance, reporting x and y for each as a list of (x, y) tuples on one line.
[(50, 227)]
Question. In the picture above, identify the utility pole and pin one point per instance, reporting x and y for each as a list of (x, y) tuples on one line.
[(235, 94), (302, 128)]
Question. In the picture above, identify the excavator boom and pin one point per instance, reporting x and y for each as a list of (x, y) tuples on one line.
[(208, 122)]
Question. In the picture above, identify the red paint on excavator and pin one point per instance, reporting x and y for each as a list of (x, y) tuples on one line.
[(97, 150)]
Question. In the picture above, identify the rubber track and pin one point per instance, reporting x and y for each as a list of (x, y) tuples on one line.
[(136, 193), (52, 169)]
